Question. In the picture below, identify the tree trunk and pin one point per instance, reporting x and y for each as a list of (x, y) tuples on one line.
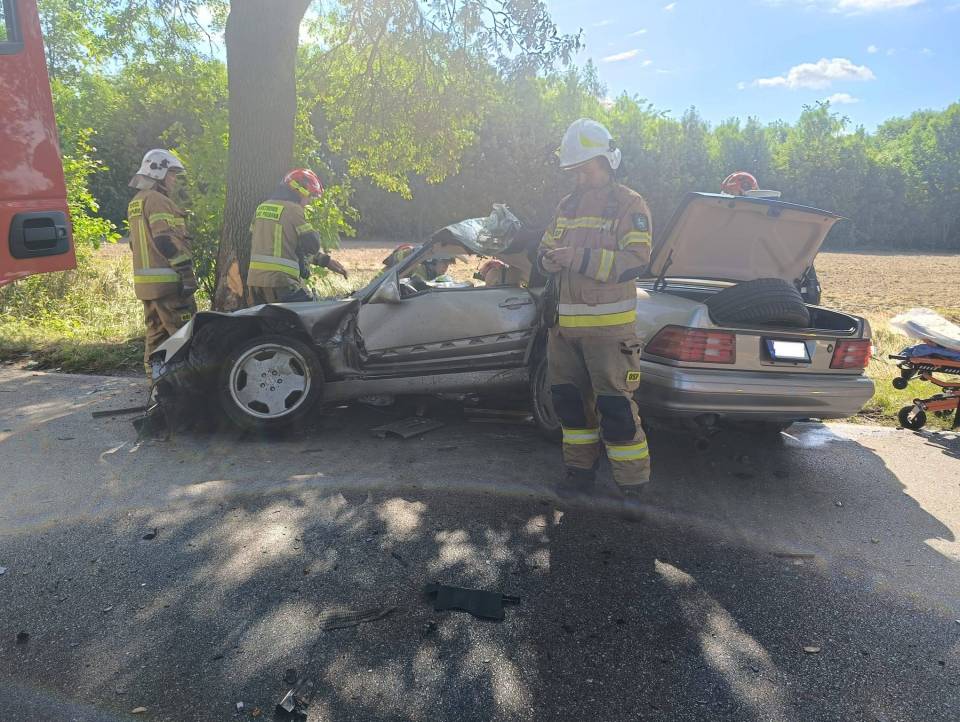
[(261, 38)]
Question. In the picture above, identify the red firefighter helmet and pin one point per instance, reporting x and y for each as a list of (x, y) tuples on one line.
[(736, 184), (305, 182)]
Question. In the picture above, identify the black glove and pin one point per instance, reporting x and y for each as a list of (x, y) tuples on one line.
[(304, 268), (188, 281)]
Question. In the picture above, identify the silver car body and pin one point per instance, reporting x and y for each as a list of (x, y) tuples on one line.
[(390, 339)]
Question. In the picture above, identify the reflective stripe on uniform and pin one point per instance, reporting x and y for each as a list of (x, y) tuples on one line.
[(600, 309), (305, 228), (269, 211), (168, 217), (581, 436), (278, 241), (606, 265), (594, 222), (155, 275), (182, 258), (635, 237), (630, 452), (607, 319), (275, 263), (142, 240)]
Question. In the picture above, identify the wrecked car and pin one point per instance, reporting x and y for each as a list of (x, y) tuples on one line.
[(727, 338)]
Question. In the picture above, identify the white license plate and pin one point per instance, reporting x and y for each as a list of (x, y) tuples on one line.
[(787, 350)]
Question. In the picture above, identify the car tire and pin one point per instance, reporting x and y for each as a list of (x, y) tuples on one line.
[(279, 360), (914, 424), (765, 301), (541, 402)]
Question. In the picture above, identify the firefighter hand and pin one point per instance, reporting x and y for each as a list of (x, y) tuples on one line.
[(558, 259), (336, 267)]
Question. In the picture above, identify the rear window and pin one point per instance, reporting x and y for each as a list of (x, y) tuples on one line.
[(10, 40)]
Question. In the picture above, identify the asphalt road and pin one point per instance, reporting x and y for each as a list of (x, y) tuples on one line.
[(840, 539)]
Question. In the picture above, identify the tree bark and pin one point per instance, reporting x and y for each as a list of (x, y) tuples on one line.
[(261, 40)]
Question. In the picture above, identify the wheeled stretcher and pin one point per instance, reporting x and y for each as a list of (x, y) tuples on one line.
[(926, 366)]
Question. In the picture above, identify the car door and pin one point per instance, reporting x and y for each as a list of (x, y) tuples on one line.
[(34, 230), (449, 330)]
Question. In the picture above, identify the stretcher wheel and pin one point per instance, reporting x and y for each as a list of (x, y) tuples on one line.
[(900, 383), (914, 424)]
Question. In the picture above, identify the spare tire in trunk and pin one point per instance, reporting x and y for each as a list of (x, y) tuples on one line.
[(765, 301)]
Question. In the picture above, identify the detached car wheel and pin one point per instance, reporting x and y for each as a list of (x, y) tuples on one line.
[(270, 382), (541, 402), (910, 420), (765, 301)]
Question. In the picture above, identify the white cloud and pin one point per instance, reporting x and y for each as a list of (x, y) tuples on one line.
[(669, 8), (628, 55), (842, 99), (741, 85), (603, 23), (646, 63), (663, 71), (872, 49), (817, 75), (638, 33), (871, 5), (927, 51), (891, 52)]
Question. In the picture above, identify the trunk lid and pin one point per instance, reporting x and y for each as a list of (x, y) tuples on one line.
[(732, 238)]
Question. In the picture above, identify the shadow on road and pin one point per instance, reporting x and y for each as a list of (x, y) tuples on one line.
[(685, 615)]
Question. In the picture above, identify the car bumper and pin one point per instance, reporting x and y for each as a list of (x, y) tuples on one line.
[(743, 395)]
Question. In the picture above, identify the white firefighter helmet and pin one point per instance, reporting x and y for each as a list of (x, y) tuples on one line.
[(155, 165), (585, 140)]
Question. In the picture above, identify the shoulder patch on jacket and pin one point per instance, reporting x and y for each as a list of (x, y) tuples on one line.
[(641, 222)]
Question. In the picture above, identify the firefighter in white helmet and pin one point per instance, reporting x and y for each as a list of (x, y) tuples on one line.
[(163, 275), (595, 248)]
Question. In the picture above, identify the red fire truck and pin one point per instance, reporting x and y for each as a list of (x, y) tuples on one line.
[(35, 233)]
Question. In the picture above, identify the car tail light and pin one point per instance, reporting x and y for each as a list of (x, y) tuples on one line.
[(694, 344), (851, 354)]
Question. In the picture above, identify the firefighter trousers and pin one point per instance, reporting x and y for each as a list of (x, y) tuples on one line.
[(163, 316), (592, 382)]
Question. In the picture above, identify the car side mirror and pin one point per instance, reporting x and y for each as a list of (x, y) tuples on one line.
[(388, 291)]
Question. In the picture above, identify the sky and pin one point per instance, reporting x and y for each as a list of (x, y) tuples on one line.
[(875, 59)]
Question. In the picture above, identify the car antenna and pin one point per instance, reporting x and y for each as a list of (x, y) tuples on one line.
[(661, 283)]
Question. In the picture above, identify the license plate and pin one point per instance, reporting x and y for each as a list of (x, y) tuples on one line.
[(787, 350)]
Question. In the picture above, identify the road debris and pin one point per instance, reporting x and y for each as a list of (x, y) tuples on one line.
[(239, 706), (480, 603), (407, 428), (403, 562), (794, 555), (256, 712), (343, 619), (150, 535), (138, 710), (23, 637), (106, 610), (838, 503), (3, 570), (290, 676), (498, 416), (874, 540), (117, 412), (812, 649)]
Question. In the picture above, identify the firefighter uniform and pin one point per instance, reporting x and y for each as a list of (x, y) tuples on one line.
[(283, 247), (593, 350), (162, 266)]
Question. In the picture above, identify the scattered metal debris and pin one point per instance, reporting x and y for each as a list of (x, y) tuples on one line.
[(150, 535), (117, 412), (794, 555), (3, 570), (290, 676), (403, 562), (23, 637), (481, 604), (239, 706), (66, 438), (138, 710), (407, 428), (812, 649), (341, 620), (498, 416)]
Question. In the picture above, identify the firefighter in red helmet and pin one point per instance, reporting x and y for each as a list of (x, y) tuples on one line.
[(284, 244)]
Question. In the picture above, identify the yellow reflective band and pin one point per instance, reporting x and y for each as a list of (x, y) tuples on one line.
[(606, 265), (588, 142), (605, 319), (635, 237), (135, 208), (182, 258), (168, 217), (305, 228), (633, 452), (581, 436), (278, 240), (594, 222), (269, 211), (265, 266), (156, 277), (142, 240), (299, 188)]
